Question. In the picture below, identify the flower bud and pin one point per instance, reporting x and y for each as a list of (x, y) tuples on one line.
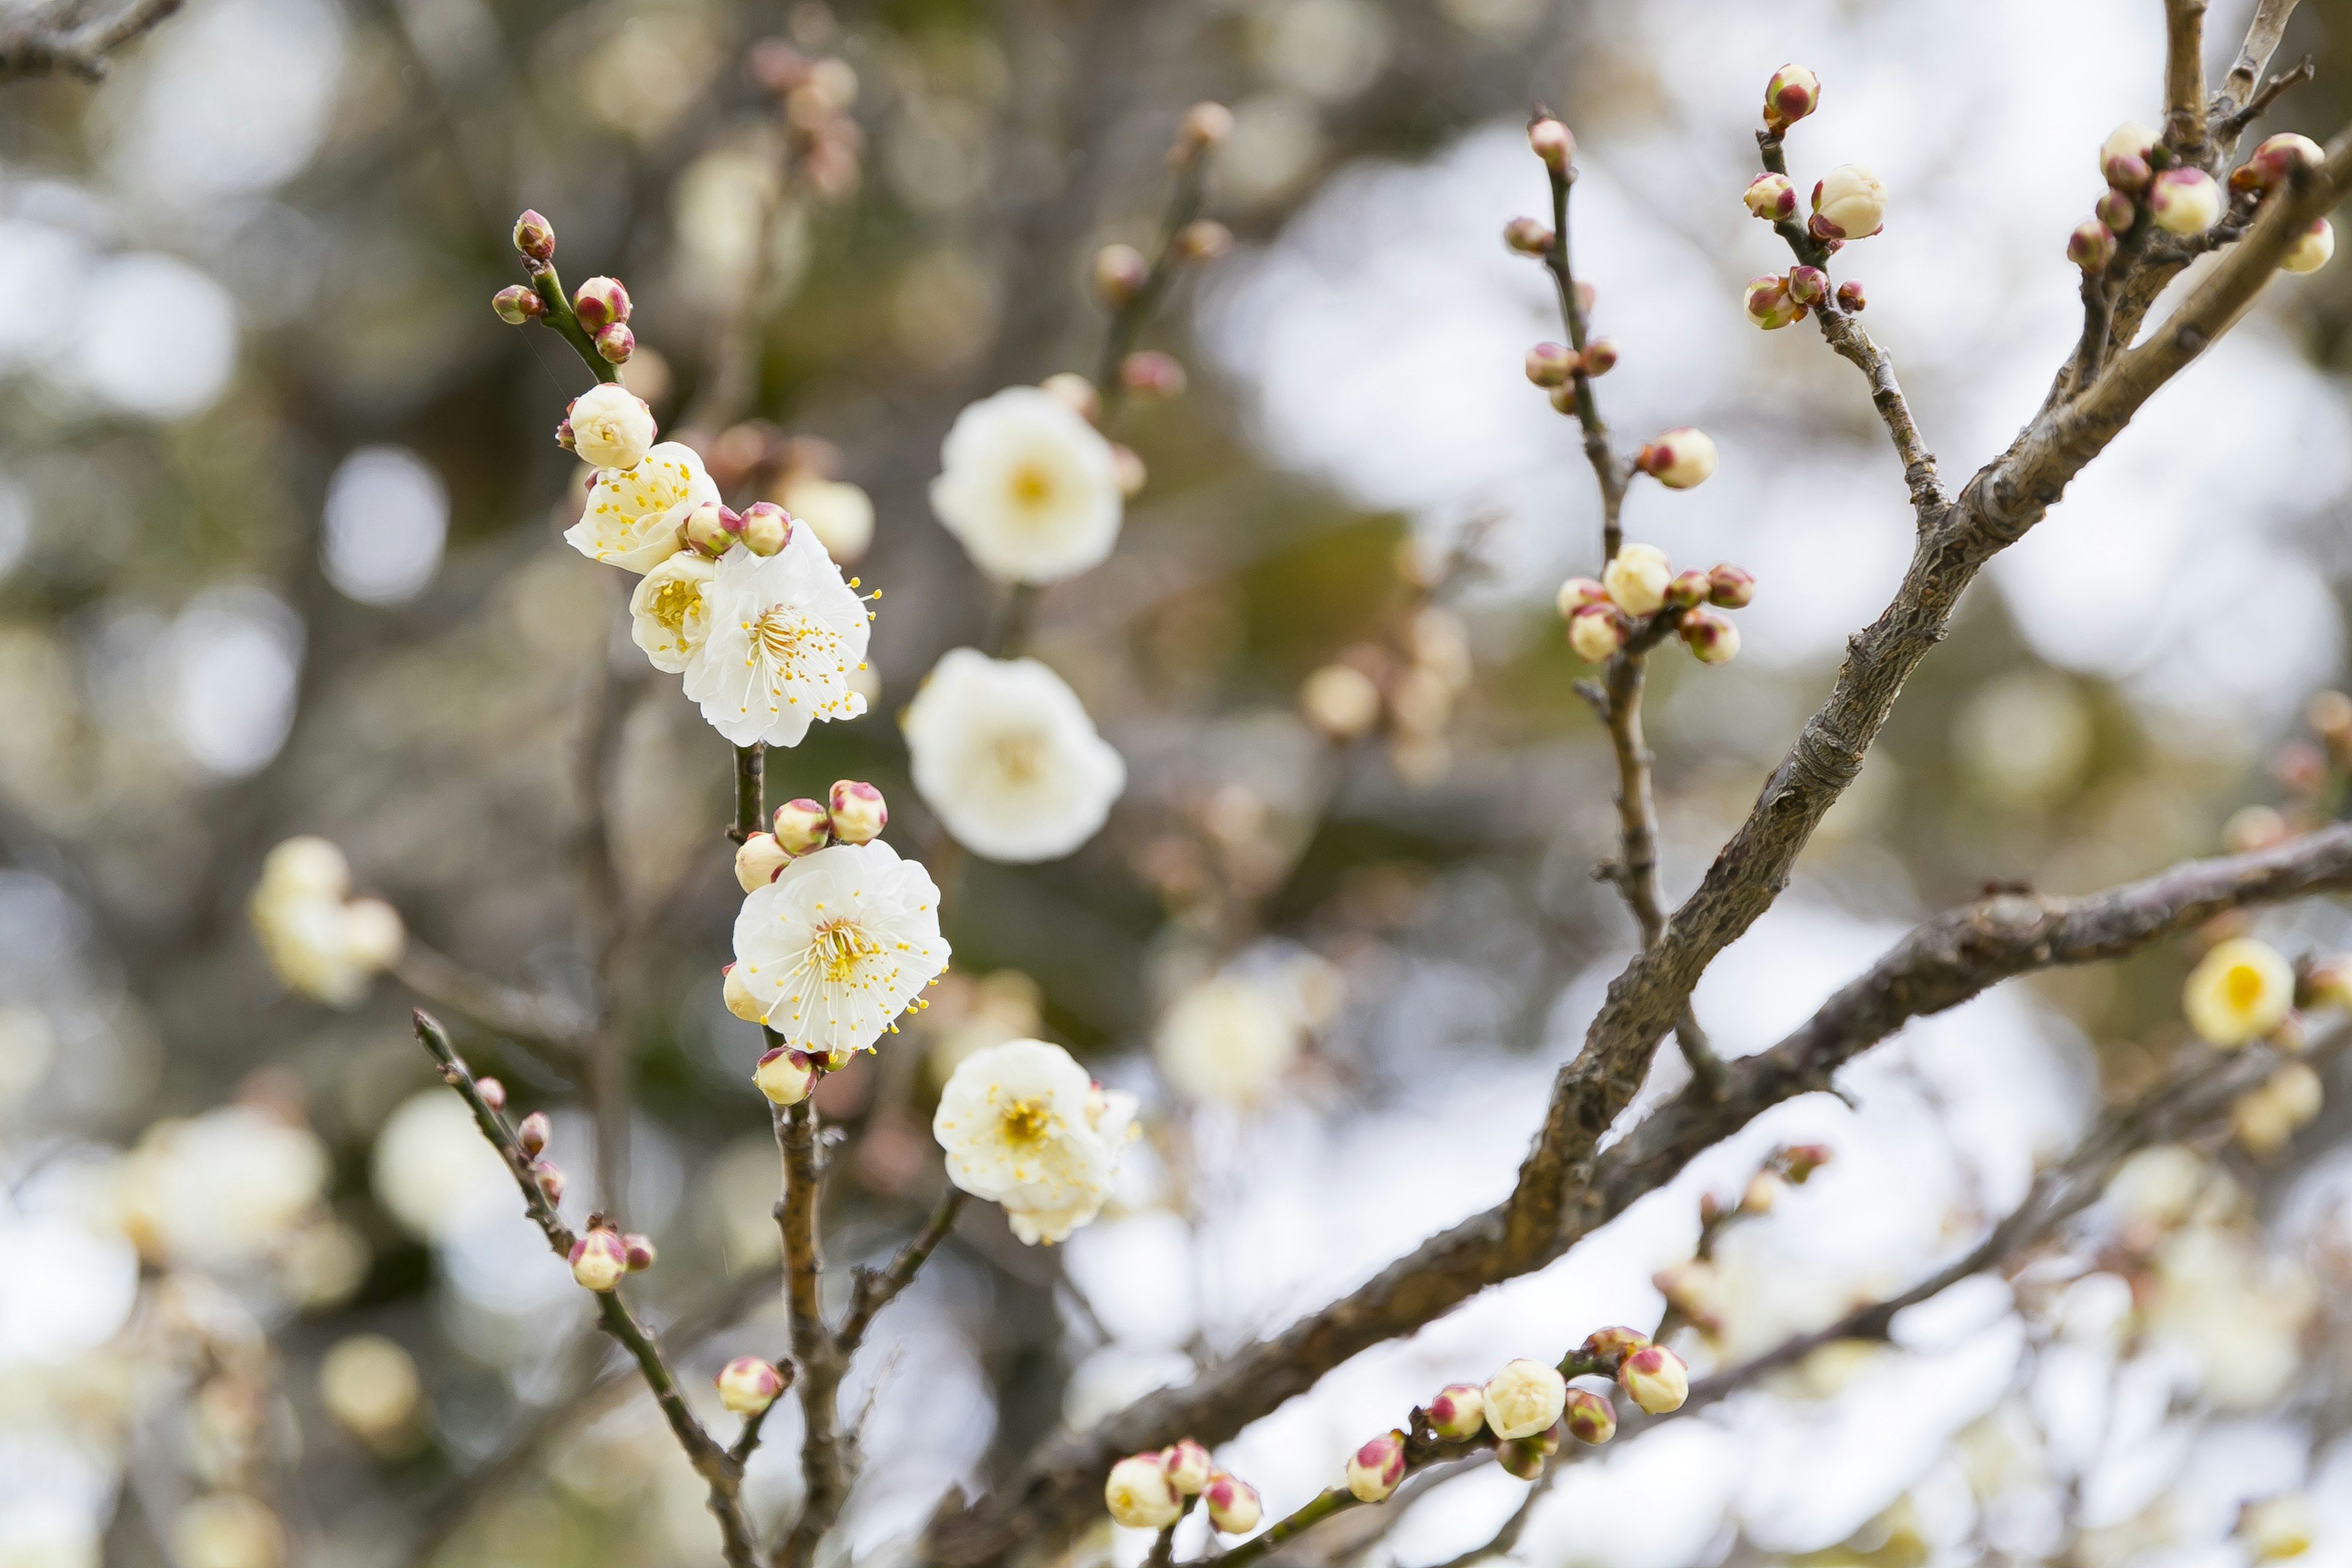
[(1120, 273), (1712, 638), (1770, 197), (616, 342), (1524, 1460), (1232, 1503), (1523, 1399), (1762, 1192), (1802, 1160), (764, 527), (1808, 285), (1459, 1412), (1562, 399), (1585, 294), (1528, 236), (493, 1092), (2297, 1090), (1552, 142), (2123, 156), (1138, 1494), (1128, 463), (532, 1133), (2184, 201), (2117, 210), (1679, 458), (1637, 577), (1152, 375), (856, 813), (1069, 388), (759, 860), (1656, 1379), (1589, 1418), (1550, 365), (599, 301), (1596, 632), (748, 1386), (1848, 204), (1606, 1347), (2281, 155), (1577, 593), (599, 1259), (1374, 1469), (1791, 94), (2311, 250), (1687, 589), (1598, 358), (784, 1076), (2252, 827), (1340, 701), (710, 529), (515, 304), (534, 236), (637, 1251), (1849, 296), (736, 991), (1187, 1465), (1731, 587), (2091, 247), (2240, 991), (609, 426), (803, 826), (1203, 239), (1204, 128), (1769, 303)]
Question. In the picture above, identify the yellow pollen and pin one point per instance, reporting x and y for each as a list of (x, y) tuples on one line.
[(2242, 986), (840, 946), (673, 601), (1032, 485), (1018, 755), (1026, 1120)]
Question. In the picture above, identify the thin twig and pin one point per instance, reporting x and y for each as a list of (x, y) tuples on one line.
[(877, 1288), (826, 1466), (550, 1029), (2262, 41), (1127, 323)]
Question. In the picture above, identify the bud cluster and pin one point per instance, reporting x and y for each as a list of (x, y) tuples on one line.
[(1153, 1491), (2275, 162), (851, 812), (1638, 584), (1690, 1289), (602, 1255), (1527, 1409), (598, 308), (1555, 367), (813, 95)]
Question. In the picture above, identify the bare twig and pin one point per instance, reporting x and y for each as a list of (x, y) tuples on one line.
[(1128, 321), (2230, 128), (61, 39), (2184, 78), (2263, 36), (877, 1288), (550, 1029)]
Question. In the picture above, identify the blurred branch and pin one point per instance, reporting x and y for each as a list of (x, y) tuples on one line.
[(2234, 125), (1128, 321), (2262, 41), (62, 39), (549, 1028), (877, 1288)]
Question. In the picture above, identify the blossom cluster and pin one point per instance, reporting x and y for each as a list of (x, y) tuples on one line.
[(1639, 596), (2149, 189), (1153, 1491), (1848, 203), (318, 939)]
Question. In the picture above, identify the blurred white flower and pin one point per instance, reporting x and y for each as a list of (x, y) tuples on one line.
[(839, 944), (1028, 486), (635, 515), (669, 610), (434, 1171), (2238, 1313), (2238, 991), (785, 635), (1229, 1040), (841, 515), (223, 1188), (228, 1530), (319, 943), (369, 1384), (1023, 1127), (1002, 751)]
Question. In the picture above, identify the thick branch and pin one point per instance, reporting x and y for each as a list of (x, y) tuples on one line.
[(2184, 78), (825, 1461)]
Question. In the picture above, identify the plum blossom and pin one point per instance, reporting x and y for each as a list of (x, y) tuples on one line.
[(837, 946), (1004, 753), (1025, 1127), (785, 636)]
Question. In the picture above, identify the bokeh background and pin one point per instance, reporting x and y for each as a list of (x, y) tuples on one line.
[(279, 554)]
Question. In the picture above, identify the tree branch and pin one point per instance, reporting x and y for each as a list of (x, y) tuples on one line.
[(56, 39), (2184, 79), (825, 1464), (2263, 36), (877, 1288), (549, 1028)]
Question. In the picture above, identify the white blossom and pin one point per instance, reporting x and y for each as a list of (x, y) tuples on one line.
[(838, 945), (1023, 1127), (1028, 486), (1002, 751), (785, 635), (223, 1188), (1229, 1040), (610, 427), (635, 517), (319, 941), (669, 610)]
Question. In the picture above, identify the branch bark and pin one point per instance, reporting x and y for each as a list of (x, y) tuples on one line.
[(60, 39), (825, 1464), (2262, 42), (2184, 79)]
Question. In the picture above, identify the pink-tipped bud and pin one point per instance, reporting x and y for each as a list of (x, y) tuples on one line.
[(1138, 1494), (1770, 304), (748, 1386), (1528, 237), (616, 342), (711, 529), (1711, 638), (1524, 1460), (1069, 388), (1679, 458), (2123, 156), (759, 860), (1375, 1470), (1689, 588), (1802, 1160), (1728, 586), (1770, 197), (1152, 375), (1551, 141), (639, 1252), (1606, 1347), (1598, 358), (532, 1133), (2091, 247), (1459, 1412), (1204, 128), (1187, 1465), (1232, 1505), (856, 810), (1791, 94), (1577, 593), (1596, 632), (565, 439), (764, 528), (493, 1092), (2185, 201), (1808, 285), (1589, 1418), (1656, 1379), (599, 1259), (515, 304), (1849, 296), (1127, 464), (784, 1076), (1120, 273), (803, 826), (550, 1178), (1203, 239), (599, 301), (2117, 210), (2281, 155), (1550, 365), (2311, 250), (534, 236)]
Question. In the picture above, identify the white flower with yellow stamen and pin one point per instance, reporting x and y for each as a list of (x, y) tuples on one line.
[(319, 940), (670, 611), (1023, 1127), (1028, 486), (838, 945), (787, 638), (2238, 992), (634, 516), (1002, 751)]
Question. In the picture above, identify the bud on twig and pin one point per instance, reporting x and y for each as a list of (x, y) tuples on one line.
[(637, 1251), (759, 860), (1550, 365), (748, 1386), (1808, 285), (1730, 586), (1523, 1399), (534, 236), (2123, 156), (1679, 458), (1128, 463), (517, 303), (616, 342), (1656, 1379), (1791, 94), (2312, 248), (1152, 375), (2281, 155), (1637, 577), (1589, 1418), (1596, 632), (1459, 1412), (1553, 142), (599, 1259), (1204, 128), (1067, 387), (1120, 273), (1577, 593), (1688, 588), (1849, 296), (786, 1076), (1770, 197), (532, 1133), (1712, 638), (1203, 239), (711, 529), (765, 527), (599, 301), (1232, 1504), (2117, 210), (803, 826), (1138, 1494), (1598, 358), (1375, 1470), (1848, 204), (2185, 201), (1770, 304), (1187, 1465), (493, 1092), (1606, 1347), (550, 1179), (1528, 236), (2091, 247), (856, 813)]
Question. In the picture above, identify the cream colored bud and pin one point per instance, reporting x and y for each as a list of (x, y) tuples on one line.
[(1187, 1465), (1679, 458), (1637, 577), (2184, 201), (803, 826), (1656, 1378), (1074, 392), (856, 812), (1587, 1417), (2311, 250), (1458, 1412), (599, 1259), (786, 1076), (1232, 1503), (757, 861), (748, 1386), (1770, 197), (740, 1000), (1524, 1398), (765, 527), (610, 427), (1791, 94), (1577, 593), (1119, 273), (1138, 1494), (1849, 203), (2123, 155), (1596, 632), (1375, 1470)]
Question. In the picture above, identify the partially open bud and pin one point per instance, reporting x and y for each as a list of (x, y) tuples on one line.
[(549, 1177), (1679, 458), (1637, 577), (1375, 1470), (1808, 285), (1152, 375), (1596, 632), (748, 1386), (2091, 247), (610, 427), (1067, 387), (534, 236), (765, 527), (2312, 248), (1687, 589), (1550, 365), (735, 990), (2117, 210), (616, 342), (803, 826), (710, 529), (2123, 156), (1524, 1398), (784, 1076), (1577, 593), (1187, 1465), (1204, 128), (2281, 155), (1598, 358), (1656, 1378), (599, 301), (1791, 94), (1770, 197), (516, 304), (1769, 303), (1589, 1418), (1203, 239), (1607, 1348), (1730, 586), (532, 1133), (1120, 273), (2184, 201), (856, 810), (1551, 142), (2240, 991), (637, 1251), (1528, 237), (1232, 1503), (1138, 1494), (599, 1259), (757, 861), (1712, 638), (1848, 204), (1458, 1412)]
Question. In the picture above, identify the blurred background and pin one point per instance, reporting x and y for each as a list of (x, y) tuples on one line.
[(279, 554)]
